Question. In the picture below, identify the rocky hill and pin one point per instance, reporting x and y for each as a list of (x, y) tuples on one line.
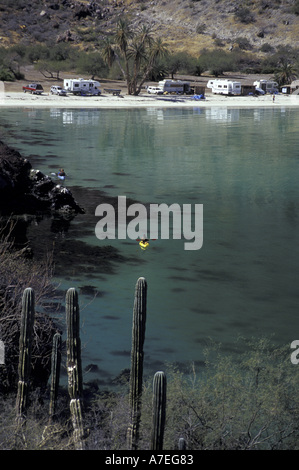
[(186, 25)]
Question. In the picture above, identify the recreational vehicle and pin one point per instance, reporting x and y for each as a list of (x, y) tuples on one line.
[(268, 86), (79, 86), (224, 87), (174, 86)]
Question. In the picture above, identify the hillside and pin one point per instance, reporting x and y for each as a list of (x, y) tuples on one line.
[(185, 25)]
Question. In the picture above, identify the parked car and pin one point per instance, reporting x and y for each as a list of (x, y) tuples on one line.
[(57, 90), (156, 90), (34, 88)]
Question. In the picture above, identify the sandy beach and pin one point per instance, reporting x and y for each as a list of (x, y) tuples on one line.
[(20, 99)]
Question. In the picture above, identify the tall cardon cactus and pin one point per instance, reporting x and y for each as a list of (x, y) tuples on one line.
[(74, 366), (55, 373), (138, 335), (159, 410), (182, 444), (25, 346)]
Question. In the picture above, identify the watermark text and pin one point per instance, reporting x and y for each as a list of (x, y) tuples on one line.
[(295, 354), (159, 221)]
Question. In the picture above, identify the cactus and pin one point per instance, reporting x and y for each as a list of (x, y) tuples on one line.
[(138, 335), (55, 372), (25, 346), (74, 366), (182, 444), (159, 410)]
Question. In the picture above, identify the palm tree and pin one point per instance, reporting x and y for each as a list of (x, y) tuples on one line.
[(157, 51), (285, 73), (108, 52), (140, 52), (137, 53), (122, 38), (110, 55)]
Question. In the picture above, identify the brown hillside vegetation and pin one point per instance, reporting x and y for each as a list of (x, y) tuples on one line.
[(185, 25)]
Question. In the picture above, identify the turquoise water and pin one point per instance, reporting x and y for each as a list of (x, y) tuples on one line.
[(241, 164)]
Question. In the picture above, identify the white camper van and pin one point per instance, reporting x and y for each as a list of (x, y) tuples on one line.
[(174, 86), (267, 86), (224, 87), (79, 86)]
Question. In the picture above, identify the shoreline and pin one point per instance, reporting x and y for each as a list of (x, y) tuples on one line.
[(20, 99)]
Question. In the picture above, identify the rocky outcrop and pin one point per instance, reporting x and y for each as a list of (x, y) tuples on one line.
[(24, 190)]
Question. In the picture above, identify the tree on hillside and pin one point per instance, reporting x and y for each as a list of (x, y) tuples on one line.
[(180, 62), (136, 53), (60, 58), (11, 60), (218, 61), (92, 64)]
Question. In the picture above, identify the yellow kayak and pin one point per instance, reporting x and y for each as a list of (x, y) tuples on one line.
[(143, 245)]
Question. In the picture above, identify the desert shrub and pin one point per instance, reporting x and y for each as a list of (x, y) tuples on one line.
[(16, 273), (244, 15), (218, 42), (295, 8), (10, 61), (201, 28), (6, 75), (267, 48), (241, 403), (243, 43), (217, 61)]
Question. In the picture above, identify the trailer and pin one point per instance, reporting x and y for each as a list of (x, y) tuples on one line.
[(268, 86), (174, 86), (224, 87), (79, 86)]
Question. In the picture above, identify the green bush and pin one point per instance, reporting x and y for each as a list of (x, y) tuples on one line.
[(244, 15), (218, 61), (246, 404), (267, 48), (6, 75), (296, 7), (243, 43)]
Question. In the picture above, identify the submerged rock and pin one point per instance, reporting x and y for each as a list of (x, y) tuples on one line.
[(24, 190)]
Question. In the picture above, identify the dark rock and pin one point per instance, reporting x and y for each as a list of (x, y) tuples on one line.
[(82, 12), (24, 190)]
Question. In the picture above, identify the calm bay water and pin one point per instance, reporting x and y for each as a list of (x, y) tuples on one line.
[(241, 164)]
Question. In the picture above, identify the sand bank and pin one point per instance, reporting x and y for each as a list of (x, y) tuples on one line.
[(20, 99)]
